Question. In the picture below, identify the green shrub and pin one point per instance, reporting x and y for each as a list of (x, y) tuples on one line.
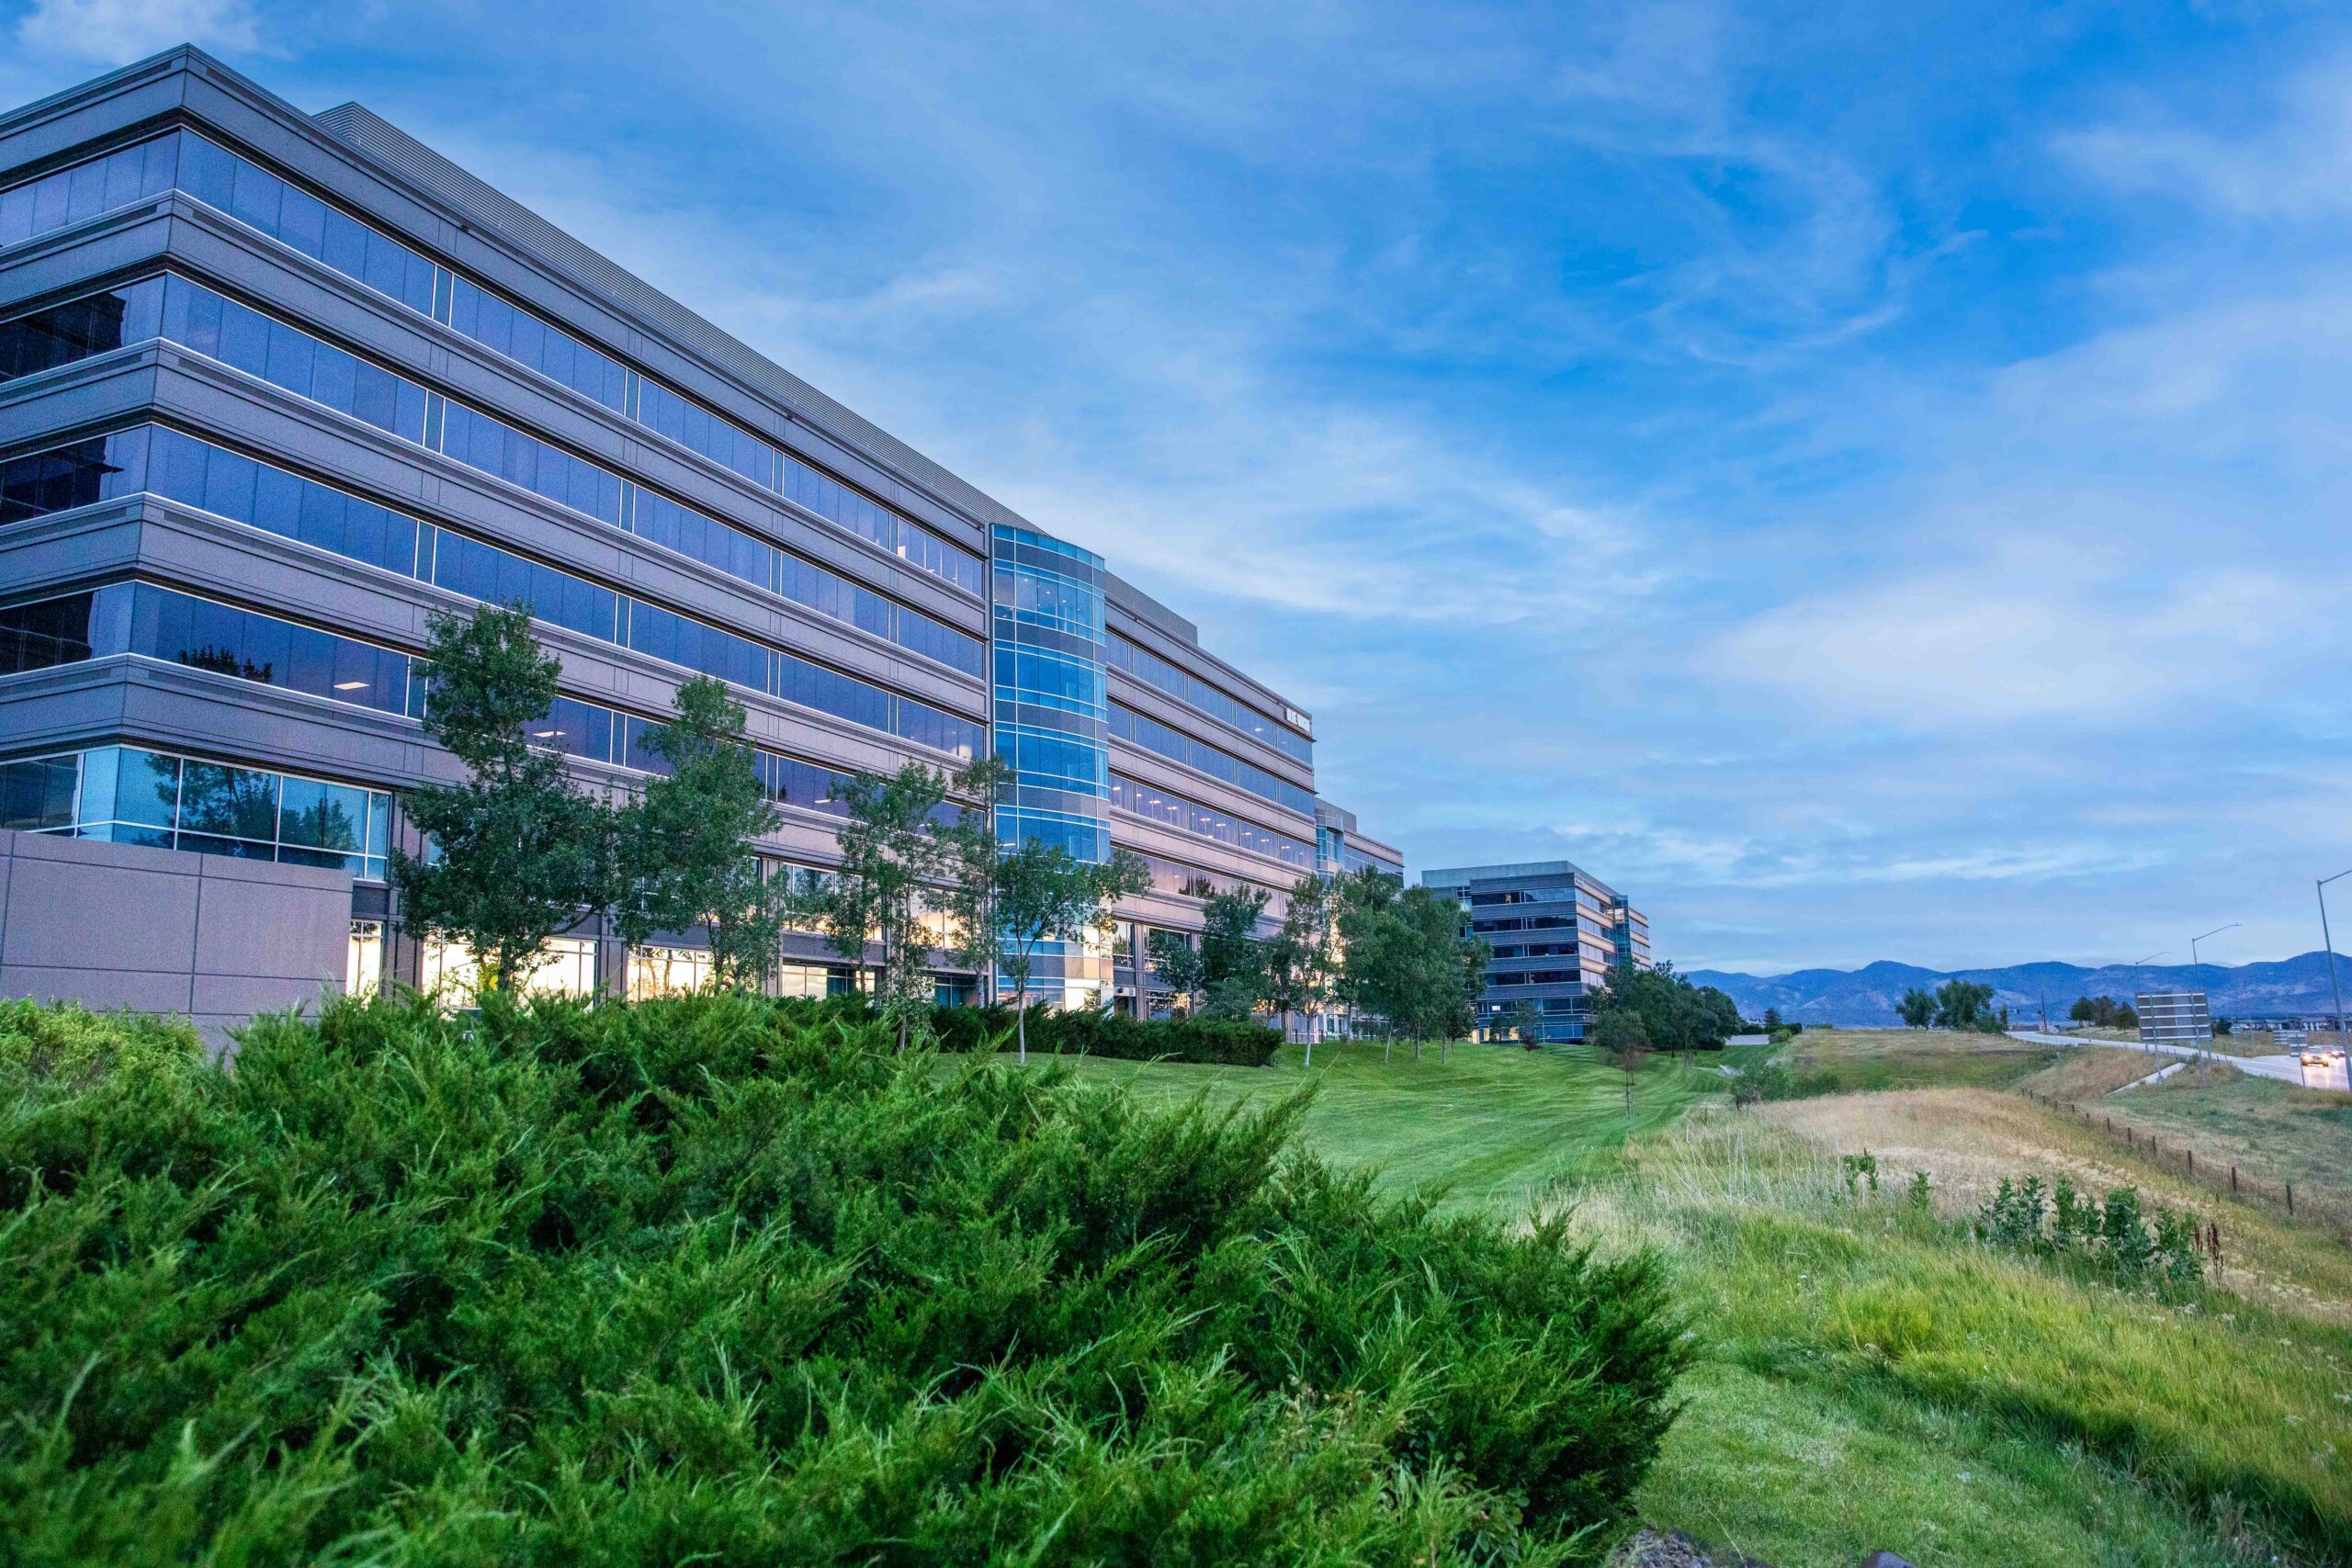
[(731, 1280), (1083, 1032), (67, 1041), (2112, 1241)]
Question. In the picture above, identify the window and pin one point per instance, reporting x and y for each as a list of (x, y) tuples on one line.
[(805, 980), (364, 963), (1153, 670), (667, 971), (126, 795), (566, 967), (261, 200)]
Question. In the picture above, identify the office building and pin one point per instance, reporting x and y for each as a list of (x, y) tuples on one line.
[(1554, 932), (276, 385)]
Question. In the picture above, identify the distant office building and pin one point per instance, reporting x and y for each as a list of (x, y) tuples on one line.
[(1556, 932), (2173, 1018), (1341, 848), (275, 386)]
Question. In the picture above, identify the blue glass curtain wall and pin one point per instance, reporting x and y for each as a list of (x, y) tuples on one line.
[(162, 623), (197, 318), (181, 467), (1047, 640), (128, 795), (209, 174)]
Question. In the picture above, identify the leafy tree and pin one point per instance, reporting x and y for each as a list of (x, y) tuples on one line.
[(1016, 900), (2103, 1012), (1771, 1020), (1302, 962), (1622, 1038), (901, 839), (686, 854), (1965, 1004), (1409, 956), (1676, 1015), (1232, 958), (1918, 1008), (1175, 959), (519, 854), (1526, 1023)]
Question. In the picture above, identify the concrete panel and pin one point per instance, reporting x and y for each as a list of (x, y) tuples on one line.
[(256, 922), (100, 988), (90, 911), (161, 930), (230, 996)]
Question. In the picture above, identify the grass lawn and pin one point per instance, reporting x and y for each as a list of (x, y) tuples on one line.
[(1497, 1126), (2036, 1418)]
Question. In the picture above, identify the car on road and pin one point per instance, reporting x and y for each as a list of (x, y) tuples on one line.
[(2324, 1058)]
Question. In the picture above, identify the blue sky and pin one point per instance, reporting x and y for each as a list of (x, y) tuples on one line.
[(1868, 480)]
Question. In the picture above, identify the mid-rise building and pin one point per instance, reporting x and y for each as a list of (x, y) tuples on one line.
[(1554, 933), (275, 387)]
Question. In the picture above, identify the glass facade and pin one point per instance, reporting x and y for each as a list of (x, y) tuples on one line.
[(209, 174), (162, 623), (195, 473), (197, 318), (1149, 734), (1191, 817), (1157, 672), (126, 795), (1048, 630)]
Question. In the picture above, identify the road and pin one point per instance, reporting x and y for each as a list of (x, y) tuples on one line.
[(2287, 1070)]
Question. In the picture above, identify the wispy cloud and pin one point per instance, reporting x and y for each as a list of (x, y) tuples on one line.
[(114, 32), (1871, 490)]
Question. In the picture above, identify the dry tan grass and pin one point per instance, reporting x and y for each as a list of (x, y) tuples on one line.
[(2087, 1072), (1967, 1140)]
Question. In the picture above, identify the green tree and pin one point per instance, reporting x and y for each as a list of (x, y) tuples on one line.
[(1233, 956), (1622, 1037), (1676, 1015), (685, 851), (904, 844), (518, 852), (1526, 1023), (1021, 898), (1175, 960), (1302, 961), (1916, 1008), (1771, 1020), (1408, 956), (1965, 1004)]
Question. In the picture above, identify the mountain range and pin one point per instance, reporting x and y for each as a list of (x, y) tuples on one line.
[(1866, 996)]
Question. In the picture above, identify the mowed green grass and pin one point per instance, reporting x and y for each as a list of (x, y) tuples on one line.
[(1497, 1126)]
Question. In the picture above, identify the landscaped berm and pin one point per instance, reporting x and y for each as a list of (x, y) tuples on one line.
[(728, 1281)]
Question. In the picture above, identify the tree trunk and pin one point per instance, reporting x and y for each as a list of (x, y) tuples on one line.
[(1020, 1022)]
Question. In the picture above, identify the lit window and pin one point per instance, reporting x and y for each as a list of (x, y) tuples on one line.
[(362, 967), (667, 971), (565, 966)]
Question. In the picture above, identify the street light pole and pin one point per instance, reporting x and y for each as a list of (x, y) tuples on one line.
[(2198, 965), (2329, 942)]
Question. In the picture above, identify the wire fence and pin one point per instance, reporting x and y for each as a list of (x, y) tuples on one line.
[(2177, 1155)]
